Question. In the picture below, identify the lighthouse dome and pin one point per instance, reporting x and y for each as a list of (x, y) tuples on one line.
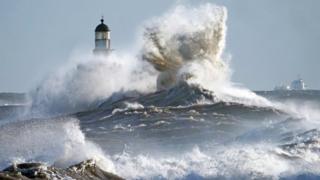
[(102, 27)]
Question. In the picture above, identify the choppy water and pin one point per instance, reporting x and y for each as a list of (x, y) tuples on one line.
[(173, 134), (167, 111)]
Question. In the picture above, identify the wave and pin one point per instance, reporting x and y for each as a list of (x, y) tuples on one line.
[(182, 94), (185, 45), (85, 83), (242, 162), (53, 141), (183, 36)]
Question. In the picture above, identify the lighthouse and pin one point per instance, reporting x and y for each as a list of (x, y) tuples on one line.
[(102, 39)]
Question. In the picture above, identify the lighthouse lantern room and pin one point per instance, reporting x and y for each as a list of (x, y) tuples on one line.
[(102, 39)]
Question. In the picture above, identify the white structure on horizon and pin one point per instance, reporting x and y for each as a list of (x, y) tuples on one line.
[(102, 39), (297, 84)]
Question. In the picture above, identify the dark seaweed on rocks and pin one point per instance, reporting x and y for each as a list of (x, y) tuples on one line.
[(86, 170)]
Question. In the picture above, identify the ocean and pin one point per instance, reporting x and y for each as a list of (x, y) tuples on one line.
[(168, 110)]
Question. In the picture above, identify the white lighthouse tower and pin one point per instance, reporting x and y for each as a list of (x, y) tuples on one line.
[(102, 39)]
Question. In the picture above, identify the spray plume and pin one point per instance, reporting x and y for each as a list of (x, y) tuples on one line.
[(184, 45)]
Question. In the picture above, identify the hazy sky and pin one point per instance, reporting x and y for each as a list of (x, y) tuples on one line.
[(271, 41)]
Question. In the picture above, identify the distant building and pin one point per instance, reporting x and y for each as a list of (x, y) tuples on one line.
[(102, 39)]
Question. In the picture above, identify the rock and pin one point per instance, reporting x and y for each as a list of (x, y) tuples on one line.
[(86, 170)]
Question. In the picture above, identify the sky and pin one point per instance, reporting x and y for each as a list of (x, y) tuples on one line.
[(271, 42)]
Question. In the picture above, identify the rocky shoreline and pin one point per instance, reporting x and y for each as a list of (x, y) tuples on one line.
[(86, 170)]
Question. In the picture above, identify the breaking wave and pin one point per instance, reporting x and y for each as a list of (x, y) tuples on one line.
[(85, 83), (184, 46), (182, 37), (242, 163), (53, 141)]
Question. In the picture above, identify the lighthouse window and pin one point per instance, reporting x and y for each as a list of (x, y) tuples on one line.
[(104, 35), (99, 35)]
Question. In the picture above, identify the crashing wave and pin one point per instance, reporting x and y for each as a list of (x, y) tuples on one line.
[(58, 141), (184, 36), (184, 45)]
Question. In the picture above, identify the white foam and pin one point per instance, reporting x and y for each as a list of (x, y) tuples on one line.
[(53, 141), (231, 162), (186, 44), (88, 81)]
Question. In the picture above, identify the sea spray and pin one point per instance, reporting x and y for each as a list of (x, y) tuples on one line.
[(52, 141), (184, 45), (86, 83), (232, 162), (187, 44), (182, 36)]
